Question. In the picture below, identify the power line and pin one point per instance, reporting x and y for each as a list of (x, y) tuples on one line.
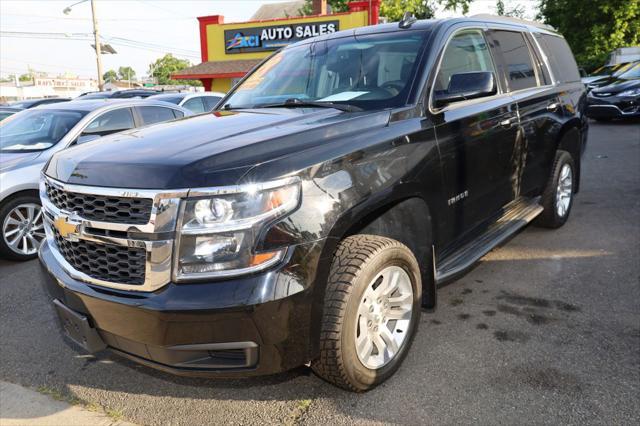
[(101, 19), (118, 41)]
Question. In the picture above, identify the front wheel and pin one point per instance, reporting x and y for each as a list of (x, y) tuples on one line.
[(557, 198), (22, 228), (371, 312)]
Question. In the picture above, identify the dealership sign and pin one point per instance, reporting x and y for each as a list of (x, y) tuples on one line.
[(262, 39)]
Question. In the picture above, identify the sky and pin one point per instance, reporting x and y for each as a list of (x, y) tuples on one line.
[(140, 31)]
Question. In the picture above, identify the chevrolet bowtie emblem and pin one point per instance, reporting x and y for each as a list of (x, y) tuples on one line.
[(66, 228)]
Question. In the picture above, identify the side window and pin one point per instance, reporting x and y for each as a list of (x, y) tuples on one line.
[(195, 105), (210, 102), (154, 114), (111, 122), (467, 52), (561, 59), (517, 59), (543, 72)]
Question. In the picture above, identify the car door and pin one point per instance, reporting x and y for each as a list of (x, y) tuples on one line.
[(529, 84), (475, 137)]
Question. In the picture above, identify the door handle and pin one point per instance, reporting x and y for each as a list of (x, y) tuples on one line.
[(507, 122), (553, 107)]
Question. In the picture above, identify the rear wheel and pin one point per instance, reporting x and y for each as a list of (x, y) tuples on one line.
[(22, 228), (557, 198), (371, 313)]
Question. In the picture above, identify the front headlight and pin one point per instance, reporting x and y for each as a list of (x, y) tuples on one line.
[(632, 92), (218, 230)]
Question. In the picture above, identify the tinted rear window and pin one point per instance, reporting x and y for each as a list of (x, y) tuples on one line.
[(561, 59), (515, 53)]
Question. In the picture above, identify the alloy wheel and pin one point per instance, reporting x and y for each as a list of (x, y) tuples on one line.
[(564, 191), (384, 316), (23, 229)]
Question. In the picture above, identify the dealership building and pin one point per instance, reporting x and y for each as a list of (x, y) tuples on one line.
[(231, 50)]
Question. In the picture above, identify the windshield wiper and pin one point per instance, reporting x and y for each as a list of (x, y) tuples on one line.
[(295, 102)]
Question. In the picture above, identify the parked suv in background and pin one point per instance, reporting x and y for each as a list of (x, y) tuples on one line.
[(196, 102), (29, 138), (314, 215)]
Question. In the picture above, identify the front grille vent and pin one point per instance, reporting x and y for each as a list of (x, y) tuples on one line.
[(135, 211), (116, 264)]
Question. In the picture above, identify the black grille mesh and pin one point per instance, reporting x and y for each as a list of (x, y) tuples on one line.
[(117, 264), (106, 209)]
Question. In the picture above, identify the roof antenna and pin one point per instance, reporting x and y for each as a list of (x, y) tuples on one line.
[(407, 20)]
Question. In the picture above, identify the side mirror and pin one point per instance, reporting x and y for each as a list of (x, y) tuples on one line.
[(86, 138), (468, 85)]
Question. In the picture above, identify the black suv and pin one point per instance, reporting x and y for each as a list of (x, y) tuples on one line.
[(313, 216)]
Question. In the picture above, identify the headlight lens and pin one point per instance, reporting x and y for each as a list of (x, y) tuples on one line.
[(219, 232), (632, 92)]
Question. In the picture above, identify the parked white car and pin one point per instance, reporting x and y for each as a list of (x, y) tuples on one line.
[(30, 137)]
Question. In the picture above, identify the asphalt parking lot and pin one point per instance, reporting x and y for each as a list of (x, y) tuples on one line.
[(545, 330)]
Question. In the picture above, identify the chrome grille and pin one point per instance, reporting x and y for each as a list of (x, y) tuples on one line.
[(136, 211), (117, 264), (128, 249)]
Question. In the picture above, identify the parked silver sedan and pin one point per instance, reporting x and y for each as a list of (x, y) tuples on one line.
[(29, 138)]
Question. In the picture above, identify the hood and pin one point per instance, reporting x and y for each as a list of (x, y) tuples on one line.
[(618, 86), (13, 160), (205, 150)]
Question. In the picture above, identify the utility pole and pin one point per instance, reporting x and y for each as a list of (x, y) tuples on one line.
[(97, 41)]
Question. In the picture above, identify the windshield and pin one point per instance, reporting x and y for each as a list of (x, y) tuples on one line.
[(622, 69), (604, 70), (370, 72), (36, 130), (633, 72)]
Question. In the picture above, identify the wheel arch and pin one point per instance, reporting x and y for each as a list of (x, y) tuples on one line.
[(21, 193), (570, 139)]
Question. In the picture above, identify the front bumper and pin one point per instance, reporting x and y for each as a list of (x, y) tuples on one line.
[(612, 107), (259, 324)]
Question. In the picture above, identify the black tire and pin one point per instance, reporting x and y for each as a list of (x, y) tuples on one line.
[(5, 251), (550, 218), (356, 263)]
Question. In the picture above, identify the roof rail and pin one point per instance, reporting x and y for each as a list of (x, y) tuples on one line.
[(512, 20), (407, 20)]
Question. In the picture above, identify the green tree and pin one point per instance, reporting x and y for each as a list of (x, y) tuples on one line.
[(393, 10), (164, 67), (336, 6), (110, 75), (26, 77), (126, 73), (593, 28), (517, 11)]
